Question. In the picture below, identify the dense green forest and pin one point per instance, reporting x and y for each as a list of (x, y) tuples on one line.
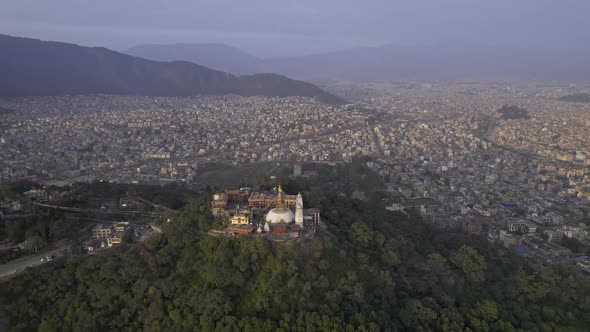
[(372, 270)]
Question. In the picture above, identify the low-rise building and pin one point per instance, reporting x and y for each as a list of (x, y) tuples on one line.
[(583, 263), (101, 231)]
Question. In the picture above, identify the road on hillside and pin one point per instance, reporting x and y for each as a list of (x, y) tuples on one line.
[(18, 265)]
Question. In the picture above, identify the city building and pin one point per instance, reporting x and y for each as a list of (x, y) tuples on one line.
[(101, 231)]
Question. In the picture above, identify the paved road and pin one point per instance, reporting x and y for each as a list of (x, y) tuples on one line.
[(19, 264), (96, 211)]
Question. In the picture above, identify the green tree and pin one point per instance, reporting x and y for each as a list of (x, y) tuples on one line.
[(34, 243), (471, 263), (361, 234), (156, 242), (437, 262)]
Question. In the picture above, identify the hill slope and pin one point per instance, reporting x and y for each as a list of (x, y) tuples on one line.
[(375, 270), (216, 56), (34, 67)]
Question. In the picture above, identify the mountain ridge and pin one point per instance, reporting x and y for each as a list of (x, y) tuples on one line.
[(444, 62), (34, 67), (213, 55)]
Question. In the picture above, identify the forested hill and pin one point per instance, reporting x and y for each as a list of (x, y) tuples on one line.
[(34, 67), (375, 271), (216, 56)]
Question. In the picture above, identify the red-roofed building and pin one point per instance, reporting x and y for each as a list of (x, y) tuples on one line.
[(241, 229)]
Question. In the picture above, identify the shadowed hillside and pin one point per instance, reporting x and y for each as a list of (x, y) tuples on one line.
[(216, 56), (34, 67)]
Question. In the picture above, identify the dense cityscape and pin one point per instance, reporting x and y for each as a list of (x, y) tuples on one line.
[(441, 148), (289, 166)]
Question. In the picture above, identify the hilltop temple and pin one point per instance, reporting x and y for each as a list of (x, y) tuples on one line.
[(266, 212), (282, 214)]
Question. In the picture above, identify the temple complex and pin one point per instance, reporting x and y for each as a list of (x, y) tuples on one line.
[(266, 213)]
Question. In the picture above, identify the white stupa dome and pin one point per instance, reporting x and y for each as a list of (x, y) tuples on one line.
[(280, 215)]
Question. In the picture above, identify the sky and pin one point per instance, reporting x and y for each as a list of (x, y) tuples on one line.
[(269, 28)]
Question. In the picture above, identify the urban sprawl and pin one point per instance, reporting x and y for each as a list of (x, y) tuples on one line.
[(443, 149)]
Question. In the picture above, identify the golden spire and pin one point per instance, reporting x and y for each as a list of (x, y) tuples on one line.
[(280, 198)]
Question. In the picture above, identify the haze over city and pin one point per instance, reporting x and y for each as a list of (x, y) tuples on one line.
[(294, 165), (268, 28)]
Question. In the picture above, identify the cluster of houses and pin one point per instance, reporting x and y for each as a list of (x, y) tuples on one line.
[(107, 235)]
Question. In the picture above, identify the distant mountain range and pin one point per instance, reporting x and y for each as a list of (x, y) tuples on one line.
[(34, 67), (216, 56), (391, 62)]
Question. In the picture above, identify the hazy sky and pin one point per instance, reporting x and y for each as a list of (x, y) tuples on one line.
[(283, 27)]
